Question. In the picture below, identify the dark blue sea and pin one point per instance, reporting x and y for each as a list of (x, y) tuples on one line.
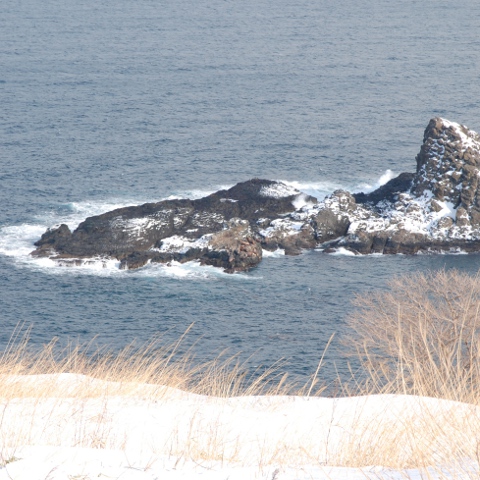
[(113, 103)]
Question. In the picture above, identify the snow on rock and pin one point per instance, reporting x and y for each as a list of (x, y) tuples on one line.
[(133, 226), (278, 190), (179, 244), (448, 163)]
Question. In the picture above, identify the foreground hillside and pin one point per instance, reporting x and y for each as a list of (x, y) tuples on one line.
[(413, 411), (149, 432)]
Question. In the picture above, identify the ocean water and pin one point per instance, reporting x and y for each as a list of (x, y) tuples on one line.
[(105, 104)]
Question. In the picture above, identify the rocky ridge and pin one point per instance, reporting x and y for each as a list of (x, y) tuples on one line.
[(435, 209)]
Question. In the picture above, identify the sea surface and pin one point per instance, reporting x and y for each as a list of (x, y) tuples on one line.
[(112, 103)]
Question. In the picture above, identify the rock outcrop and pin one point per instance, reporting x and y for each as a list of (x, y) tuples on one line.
[(221, 229), (435, 209)]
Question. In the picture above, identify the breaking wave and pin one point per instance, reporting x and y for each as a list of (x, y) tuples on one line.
[(323, 188)]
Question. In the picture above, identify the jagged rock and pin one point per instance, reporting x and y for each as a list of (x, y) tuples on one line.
[(53, 238), (435, 206), (435, 209), (333, 220), (234, 249), (330, 225), (289, 235), (439, 211), (461, 218), (448, 162)]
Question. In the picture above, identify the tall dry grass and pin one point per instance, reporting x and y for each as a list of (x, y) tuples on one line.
[(421, 336), (156, 363)]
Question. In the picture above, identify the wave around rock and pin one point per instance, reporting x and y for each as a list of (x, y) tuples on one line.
[(435, 209)]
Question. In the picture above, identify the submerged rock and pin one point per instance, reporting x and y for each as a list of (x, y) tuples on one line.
[(435, 209)]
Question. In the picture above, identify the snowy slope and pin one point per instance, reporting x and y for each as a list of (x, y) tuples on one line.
[(164, 433)]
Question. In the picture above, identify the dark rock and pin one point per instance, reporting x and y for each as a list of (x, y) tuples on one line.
[(294, 244), (53, 239), (445, 149), (360, 242), (234, 249), (329, 225), (379, 242), (403, 241)]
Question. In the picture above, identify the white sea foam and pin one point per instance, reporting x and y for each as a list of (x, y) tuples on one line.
[(189, 270), (343, 251), (386, 177), (16, 242), (318, 190), (279, 252), (323, 188), (370, 187), (300, 201), (193, 194)]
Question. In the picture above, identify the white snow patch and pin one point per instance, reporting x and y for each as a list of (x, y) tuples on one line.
[(133, 226), (177, 243), (278, 190), (469, 139), (414, 214), (285, 226)]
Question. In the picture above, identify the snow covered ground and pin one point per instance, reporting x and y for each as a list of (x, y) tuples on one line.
[(153, 432)]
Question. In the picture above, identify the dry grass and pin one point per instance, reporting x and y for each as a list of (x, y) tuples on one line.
[(421, 336), (155, 363)]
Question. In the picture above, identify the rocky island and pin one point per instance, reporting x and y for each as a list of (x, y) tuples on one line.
[(435, 209)]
